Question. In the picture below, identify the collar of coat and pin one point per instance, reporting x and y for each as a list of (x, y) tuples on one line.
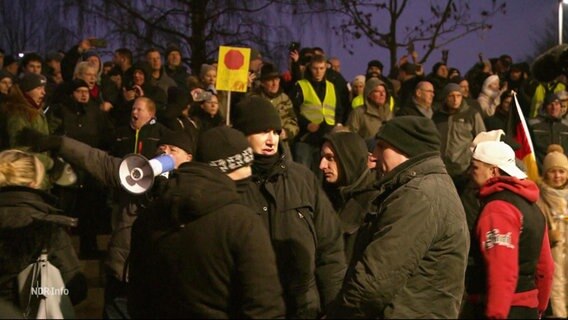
[(279, 168), (420, 165)]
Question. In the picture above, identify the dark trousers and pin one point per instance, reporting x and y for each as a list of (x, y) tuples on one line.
[(116, 302)]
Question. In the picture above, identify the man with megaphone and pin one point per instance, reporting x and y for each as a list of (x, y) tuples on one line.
[(198, 251), (105, 169)]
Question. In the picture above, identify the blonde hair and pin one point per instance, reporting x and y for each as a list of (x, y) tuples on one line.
[(18, 168), (81, 67)]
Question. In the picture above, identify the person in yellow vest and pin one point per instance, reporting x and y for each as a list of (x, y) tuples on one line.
[(319, 110)]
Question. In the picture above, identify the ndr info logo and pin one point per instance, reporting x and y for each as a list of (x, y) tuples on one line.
[(50, 291)]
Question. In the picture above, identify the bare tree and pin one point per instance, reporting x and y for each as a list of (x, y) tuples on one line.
[(28, 25), (381, 24), (199, 27)]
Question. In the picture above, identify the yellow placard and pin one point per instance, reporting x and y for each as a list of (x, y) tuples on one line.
[(232, 69)]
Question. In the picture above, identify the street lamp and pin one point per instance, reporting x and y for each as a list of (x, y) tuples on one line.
[(560, 19)]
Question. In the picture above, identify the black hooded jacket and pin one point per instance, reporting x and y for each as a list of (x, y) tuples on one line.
[(28, 224), (199, 253), (305, 234), (353, 194)]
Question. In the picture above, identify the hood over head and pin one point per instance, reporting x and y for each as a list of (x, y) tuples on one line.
[(195, 190), (351, 153), (371, 84)]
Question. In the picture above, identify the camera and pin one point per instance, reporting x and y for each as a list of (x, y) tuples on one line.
[(294, 46)]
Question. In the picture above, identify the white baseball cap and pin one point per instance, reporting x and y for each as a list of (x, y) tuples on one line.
[(499, 154)]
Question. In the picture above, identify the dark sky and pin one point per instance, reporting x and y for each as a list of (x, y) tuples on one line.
[(513, 33)]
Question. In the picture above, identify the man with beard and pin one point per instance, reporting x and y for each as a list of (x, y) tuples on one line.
[(304, 229)]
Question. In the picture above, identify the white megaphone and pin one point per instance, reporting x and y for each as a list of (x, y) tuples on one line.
[(137, 173)]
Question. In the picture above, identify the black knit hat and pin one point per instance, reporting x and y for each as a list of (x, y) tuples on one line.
[(256, 114), (375, 63), (178, 139), (76, 84), (30, 81), (224, 148), (412, 135)]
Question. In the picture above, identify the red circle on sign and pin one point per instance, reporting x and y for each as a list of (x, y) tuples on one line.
[(234, 60)]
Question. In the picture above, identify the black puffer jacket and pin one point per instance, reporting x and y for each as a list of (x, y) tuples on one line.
[(28, 223), (305, 232), (199, 253)]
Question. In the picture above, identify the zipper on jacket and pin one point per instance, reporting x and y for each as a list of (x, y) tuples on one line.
[(312, 231)]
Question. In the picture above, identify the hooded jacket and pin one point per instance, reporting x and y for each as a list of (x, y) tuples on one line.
[(28, 224), (488, 99), (367, 119), (353, 194), (410, 256), (305, 233), (514, 247), (199, 253)]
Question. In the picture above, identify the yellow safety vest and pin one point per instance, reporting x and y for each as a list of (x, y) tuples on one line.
[(359, 101), (313, 109)]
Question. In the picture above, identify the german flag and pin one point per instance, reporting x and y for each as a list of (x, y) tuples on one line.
[(518, 129)]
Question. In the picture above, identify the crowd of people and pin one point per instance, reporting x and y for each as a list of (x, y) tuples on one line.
[(310, 196)]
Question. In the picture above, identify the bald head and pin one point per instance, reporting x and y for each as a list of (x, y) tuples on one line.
[(424, 93)]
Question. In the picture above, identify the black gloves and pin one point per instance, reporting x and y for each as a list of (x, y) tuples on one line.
[(38, 142)]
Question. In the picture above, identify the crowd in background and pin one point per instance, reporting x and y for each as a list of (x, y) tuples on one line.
[(80, 110)]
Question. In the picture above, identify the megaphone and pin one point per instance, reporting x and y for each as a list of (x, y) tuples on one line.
[(137, 173)]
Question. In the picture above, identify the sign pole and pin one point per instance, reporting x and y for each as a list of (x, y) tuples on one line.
[(228, 108)]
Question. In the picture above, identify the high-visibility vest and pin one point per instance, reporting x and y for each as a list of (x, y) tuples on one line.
[(359, 101), (313, 109)]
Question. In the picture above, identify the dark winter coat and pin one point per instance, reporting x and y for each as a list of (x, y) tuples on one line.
[(353, 194), (179, 74), (83, 122), (199, 253), (144, 141), (28, 224), (547, 130), (410, 109), (410, 258), (105, 168), (305, 233)]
